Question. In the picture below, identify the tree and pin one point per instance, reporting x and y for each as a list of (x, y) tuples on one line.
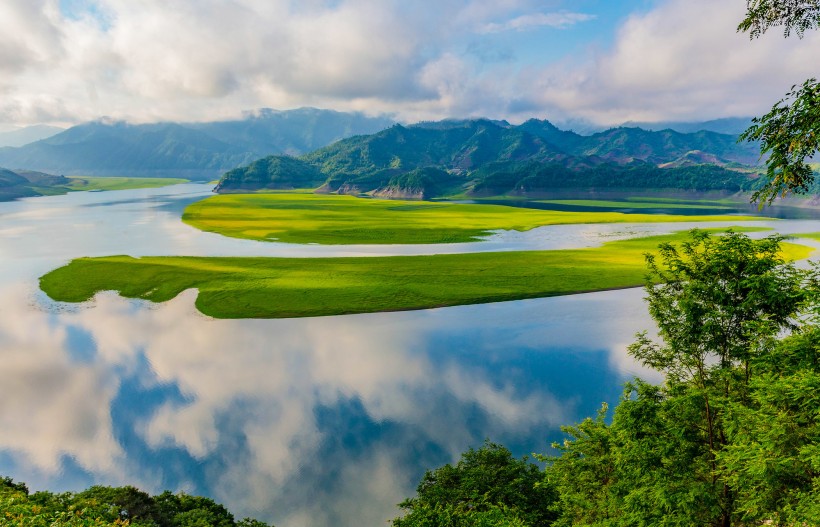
[(111, 507), (772, 456), (684, 453), (790, 132), (487, 486)]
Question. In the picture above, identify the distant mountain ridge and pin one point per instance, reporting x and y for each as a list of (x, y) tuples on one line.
[(484, 157), (726, 125), (193, 150), (29, 134)]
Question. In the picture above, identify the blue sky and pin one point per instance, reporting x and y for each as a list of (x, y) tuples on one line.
[(602, 61)]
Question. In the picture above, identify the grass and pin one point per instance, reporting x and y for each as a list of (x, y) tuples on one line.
[(306, 287), (79, 183), (633, 203), (331, 219)]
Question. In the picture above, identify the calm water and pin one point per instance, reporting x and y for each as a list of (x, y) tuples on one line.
[(308, 422)]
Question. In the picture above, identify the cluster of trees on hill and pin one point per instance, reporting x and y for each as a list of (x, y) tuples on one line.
[(731, 438), (109, 507)]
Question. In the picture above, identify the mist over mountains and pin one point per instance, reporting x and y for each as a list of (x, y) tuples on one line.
[(193, 150)]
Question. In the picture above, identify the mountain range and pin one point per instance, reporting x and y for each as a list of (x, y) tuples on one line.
[(193, 150), (483, 157), (29, 134)]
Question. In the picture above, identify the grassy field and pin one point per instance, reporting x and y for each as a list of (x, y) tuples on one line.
[(120, 183), (633, 203), (326, 219), (306, 287)]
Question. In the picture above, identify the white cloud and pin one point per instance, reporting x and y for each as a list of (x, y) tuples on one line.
[(559, 20), (682, 60), (202, 60)]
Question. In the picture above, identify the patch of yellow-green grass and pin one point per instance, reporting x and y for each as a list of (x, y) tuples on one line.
[(80, 183), (332, 219), (810, 235), (700, 201), (306, 287), (632, 204)]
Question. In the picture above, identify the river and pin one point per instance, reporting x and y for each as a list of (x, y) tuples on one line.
[(304, 422)]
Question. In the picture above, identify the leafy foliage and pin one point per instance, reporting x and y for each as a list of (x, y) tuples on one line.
[(111, 506), (790, 133), (486, 487), (731, 437), (792, 15)]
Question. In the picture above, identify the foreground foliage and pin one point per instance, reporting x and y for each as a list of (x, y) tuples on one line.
[(487, 486), (107, 507), (790, 133), (706, 447), (239, 287), (731, 437)]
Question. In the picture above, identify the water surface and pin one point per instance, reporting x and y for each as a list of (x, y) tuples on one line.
[(327, 421)]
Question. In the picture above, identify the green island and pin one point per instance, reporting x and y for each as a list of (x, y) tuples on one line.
[(244, 287), (120, 183), (30, 183), (334, 219)]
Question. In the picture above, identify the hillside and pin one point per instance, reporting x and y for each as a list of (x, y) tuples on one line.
[(199, 150), (482, 157), (26, 183)]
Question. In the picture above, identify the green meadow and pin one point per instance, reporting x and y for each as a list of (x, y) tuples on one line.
[(79, 183), (306, 287), (634, 204), (332, 219)]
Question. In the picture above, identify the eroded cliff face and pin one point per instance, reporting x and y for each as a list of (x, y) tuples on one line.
[(399, 193)]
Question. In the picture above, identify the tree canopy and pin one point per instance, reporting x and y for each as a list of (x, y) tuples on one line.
[(790, 133), (732, 436), (488, 486), (100, 506)]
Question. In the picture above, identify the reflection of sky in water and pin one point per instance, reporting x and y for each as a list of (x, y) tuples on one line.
[(324, 421)]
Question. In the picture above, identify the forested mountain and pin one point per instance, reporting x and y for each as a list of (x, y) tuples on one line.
[(483, 157), (623, 145), (199, 150)]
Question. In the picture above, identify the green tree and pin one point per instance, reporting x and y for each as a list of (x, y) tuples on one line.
[(679, 454), (772, 458), (790, 133), (488, 486), (111, 506)]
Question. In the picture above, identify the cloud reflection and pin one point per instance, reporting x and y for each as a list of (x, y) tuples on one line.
[(299, 421)]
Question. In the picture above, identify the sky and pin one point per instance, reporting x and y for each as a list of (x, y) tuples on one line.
[(606, 62)]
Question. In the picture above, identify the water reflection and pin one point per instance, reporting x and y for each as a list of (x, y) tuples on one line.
[(298, 421), (324, 421)]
